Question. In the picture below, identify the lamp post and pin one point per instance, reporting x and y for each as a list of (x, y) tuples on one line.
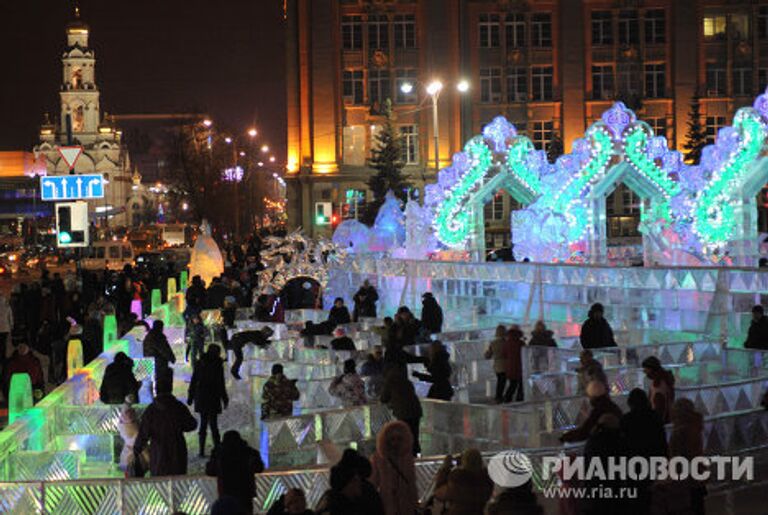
[(433, 89), (229, 140)]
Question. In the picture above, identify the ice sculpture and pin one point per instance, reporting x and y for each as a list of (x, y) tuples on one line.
[(74, 357), (136, 308), (171, 288), (183, 280), (419, 238), (206, 258), (389, 228), (110, 332), (19, 396), (157, 299), (352, 236)]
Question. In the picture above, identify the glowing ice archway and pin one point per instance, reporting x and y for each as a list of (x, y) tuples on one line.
[(499, 159)]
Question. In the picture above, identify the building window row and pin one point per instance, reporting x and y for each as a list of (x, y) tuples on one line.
[(354, 143), (517, 81), (603, 87), (628, 23), (378, 26), (717, 81), (379, 86), (515, 29)]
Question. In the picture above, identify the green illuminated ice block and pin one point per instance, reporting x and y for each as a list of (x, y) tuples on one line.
[(171, 288), (110, 331), (157, 300), (19, 396), (74, 357), (184, 280)]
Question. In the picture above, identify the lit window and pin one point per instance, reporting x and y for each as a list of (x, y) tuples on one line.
[(714, 26), (488, 28)]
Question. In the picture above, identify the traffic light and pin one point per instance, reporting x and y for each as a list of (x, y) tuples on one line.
[(72, 224)]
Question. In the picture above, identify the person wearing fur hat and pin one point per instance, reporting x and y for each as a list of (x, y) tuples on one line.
[(601, 404), (394, 472)]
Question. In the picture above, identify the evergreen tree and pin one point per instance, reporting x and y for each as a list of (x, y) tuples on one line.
[(696, 136), (386, 159), (555, 147)]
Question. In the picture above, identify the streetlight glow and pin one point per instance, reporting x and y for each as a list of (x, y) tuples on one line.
[(265, 148), (252, 132), (242, 154), (406, 87), (271, 159), (261, 163), (463, 86), (227, 140), (434, 87), (207, 122)]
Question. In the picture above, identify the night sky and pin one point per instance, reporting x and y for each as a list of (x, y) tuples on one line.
[(221, 57)]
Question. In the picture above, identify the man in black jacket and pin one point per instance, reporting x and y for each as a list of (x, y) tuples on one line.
[(431, 314), (596, 332), (757, 338), (365, 301), (119, 381)]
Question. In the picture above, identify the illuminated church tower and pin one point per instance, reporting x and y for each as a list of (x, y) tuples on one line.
[(80, 123)]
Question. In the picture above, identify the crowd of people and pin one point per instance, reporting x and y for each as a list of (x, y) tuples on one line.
[(154, 443)]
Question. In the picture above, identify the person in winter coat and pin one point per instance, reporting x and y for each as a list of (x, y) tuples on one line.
[(208, 392), (519, 500), (757, 337), (339, 313), (214, 297), (22, 361), (156, 346), (365, 301), (373, 369), (292, 502), (345, 493), (431, 314), (589, 369), (541, 336), (463, 490), (195, 336), (128, 427), (162, 427), (596, 332), (405, 328), (601, 404), (606, 441), (399, 395), (439, 375), (394, 472), (495, 351), (234, 464), (367, 502), (260, 338), (644, 435), (514, 363), (662, 393), (119, 381), (278, 394), (349, 387), (196, 294), (342, 341)]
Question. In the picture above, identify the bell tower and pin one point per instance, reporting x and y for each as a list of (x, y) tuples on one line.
[(79, 94)]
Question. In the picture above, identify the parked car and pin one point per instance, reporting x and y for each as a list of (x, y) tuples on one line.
[(113, 255)]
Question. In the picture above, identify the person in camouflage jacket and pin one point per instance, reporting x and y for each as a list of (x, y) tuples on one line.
[(349, 387), (278, 395)]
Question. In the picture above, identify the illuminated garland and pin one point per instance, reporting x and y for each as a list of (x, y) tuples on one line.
[(714, 221), (517, 159)]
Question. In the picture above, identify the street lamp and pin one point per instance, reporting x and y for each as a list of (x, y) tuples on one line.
[(228, 140), (207, 122), (252, 132), (433, 89), (265, 148), (271, 159)]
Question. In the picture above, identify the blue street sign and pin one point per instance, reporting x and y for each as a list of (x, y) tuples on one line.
[(71, 187)]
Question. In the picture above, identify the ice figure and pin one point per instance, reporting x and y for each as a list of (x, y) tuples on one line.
[(352, 236), (206, 258), (389, 228), (540, 236), (419, 238)]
